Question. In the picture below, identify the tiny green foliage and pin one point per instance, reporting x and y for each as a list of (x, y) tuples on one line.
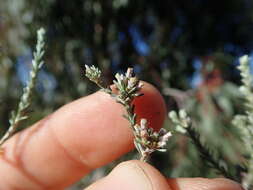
[(93, 73), (245, 122), (25, 100), (184, 125), (128, 87)]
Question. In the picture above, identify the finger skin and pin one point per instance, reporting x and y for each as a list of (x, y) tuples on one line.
[(203, 184), (132, 175), (136, 175), (68, 144)]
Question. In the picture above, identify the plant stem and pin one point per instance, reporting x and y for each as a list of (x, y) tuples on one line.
[(206, 155), (25, 99)]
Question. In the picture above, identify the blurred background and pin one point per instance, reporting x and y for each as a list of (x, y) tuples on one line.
[(188, 49)]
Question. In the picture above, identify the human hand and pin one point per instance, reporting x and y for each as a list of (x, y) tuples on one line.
[(83, 135)]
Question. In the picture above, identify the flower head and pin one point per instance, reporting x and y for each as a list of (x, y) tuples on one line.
[(93, 73), (149, 140), (128, 86)]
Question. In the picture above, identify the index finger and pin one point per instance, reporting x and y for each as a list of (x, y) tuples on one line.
[(68, 144)]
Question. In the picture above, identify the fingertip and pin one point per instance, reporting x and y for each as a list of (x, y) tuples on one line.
[(134, 175), (157, 180), (152, 106), (100, 117), (80, 136)]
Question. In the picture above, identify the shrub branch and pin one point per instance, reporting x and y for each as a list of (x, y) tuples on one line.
[(25, 100)]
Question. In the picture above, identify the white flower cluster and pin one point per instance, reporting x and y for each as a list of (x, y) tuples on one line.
[(181, 120), (128, 87), (93, 73), (147, 140)]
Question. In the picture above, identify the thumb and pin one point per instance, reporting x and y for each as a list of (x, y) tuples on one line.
[(134, 175)]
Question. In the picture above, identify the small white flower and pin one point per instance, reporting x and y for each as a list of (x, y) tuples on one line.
[(143, 123), (182, 114), (244, 59), (146, 139), (129, 73), (92, 73), (161, 144)]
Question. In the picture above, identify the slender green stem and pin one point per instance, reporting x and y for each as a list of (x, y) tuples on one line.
[(25, 99), (206, 155)]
